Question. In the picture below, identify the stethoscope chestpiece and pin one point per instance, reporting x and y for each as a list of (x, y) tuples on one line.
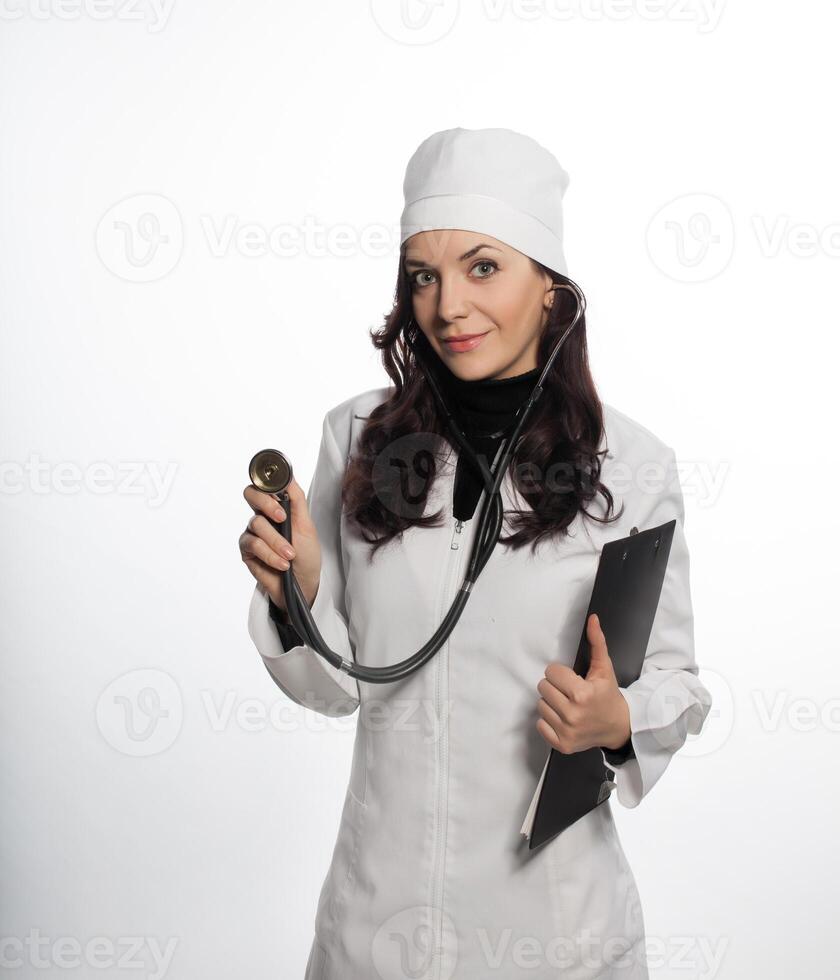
[(269, 470)]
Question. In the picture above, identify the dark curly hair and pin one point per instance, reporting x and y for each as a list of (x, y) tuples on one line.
[(562, 434)]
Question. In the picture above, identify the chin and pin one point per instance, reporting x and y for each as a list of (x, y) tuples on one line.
[(477, 373)]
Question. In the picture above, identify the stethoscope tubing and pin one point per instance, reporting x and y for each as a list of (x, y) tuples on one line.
[(486, 537)]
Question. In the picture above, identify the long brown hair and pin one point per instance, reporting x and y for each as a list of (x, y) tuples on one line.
[(384, 491)]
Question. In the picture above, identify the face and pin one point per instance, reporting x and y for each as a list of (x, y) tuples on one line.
[(468, 283)]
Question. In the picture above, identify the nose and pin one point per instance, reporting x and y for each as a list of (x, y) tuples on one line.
[(452, 298)]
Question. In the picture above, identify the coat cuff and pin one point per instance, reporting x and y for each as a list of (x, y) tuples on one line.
[(301, 673), (615, 757), (289, 636), (665, 706)]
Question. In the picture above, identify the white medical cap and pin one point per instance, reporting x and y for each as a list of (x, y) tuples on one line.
[(494, 181)]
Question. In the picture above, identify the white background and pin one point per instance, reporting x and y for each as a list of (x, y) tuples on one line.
[(155, 782)]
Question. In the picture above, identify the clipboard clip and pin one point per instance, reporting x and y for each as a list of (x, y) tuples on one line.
[(633, 530), (607, 786)]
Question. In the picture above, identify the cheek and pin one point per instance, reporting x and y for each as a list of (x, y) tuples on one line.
[(513, 310), (423, 307), (514, 324)]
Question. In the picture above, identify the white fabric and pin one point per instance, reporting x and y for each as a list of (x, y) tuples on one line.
[(430, 877), (495, 181)]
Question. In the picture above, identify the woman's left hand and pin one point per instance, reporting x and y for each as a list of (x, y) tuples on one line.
[(578, 713)]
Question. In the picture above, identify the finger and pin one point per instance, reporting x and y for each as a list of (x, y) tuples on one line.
[(555, 700), (255, 547), (548, 734), (565, 680), (296, 493), (261, 527), (267, 578), (546, 710), (595, 634), (264, 503)]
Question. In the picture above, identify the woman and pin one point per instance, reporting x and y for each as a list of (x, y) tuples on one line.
[(430, 877)]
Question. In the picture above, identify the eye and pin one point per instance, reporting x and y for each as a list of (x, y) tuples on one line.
[(421, 272), (485, 262)]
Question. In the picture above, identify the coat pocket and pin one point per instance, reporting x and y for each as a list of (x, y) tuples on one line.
[(634, 924), (594, 898), (357, 784), (341, 879)]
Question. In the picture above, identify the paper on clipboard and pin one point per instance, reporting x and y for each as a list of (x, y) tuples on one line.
[(527, 826), (528, 823)]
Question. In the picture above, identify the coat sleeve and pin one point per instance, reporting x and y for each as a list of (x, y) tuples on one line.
[(667, 701), (296, 668)]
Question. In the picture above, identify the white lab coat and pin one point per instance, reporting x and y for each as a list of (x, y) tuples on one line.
[(430, 877)]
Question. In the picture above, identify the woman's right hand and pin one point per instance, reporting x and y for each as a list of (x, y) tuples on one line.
[(266, 552)]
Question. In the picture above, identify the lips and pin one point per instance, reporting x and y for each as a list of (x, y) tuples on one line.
[(464, 342), (463, 336)]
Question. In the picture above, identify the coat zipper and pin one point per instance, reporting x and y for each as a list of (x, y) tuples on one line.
[(442, 697), (453, 567)]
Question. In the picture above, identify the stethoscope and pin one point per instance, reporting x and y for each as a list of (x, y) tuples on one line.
[(271, 471)]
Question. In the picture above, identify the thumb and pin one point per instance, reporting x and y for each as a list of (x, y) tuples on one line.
[(301, 518), (600, 664)]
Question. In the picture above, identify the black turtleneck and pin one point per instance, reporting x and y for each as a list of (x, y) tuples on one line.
[(485, 410)]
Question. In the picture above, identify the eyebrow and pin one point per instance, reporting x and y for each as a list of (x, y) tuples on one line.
[(466, 255)]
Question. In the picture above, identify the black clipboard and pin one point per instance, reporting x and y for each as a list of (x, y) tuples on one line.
[(625, 595)]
